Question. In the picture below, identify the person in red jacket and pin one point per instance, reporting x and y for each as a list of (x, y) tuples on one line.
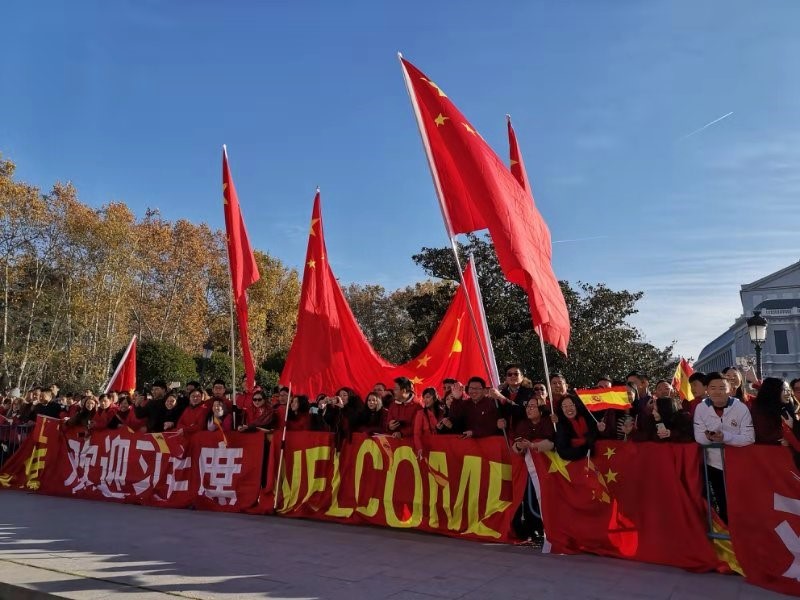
[(478, 414), (105, 413), (194, 416), (426, 421), (299, 418), (220, 418), (400, 418), (259, 415)]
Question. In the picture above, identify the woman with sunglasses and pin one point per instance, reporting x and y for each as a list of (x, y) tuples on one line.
[(259, 415)]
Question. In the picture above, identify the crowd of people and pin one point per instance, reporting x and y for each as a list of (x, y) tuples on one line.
[(531, 415)]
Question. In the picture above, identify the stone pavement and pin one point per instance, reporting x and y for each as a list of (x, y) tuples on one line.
[(80, 549)]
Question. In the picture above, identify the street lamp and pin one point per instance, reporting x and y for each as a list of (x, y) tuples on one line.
[(757, 330), (208, 350)]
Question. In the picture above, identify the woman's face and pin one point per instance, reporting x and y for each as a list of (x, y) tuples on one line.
[(532, 411), (786, 395), (219, 408), (373, 402), (344, 395), (90, 404), (124, 404), (568, 407), (105, 402), (427, 400), (734, 379), (295, 404), (170, 402)]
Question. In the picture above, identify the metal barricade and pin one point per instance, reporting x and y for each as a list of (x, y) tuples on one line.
[(710, 510), (12, 435)]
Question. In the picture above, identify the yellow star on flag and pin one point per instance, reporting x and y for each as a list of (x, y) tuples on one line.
[(436, 87), (604, 498), (440, 120), (423, 362), (558, 464), (514, 162), (470, 129), (611, 476), (610, 452), (312, 263), (416, 380), (311, 229)]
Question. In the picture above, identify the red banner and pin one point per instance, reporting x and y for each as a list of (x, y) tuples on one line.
[(638, 501), (763, 485), (462, 488)]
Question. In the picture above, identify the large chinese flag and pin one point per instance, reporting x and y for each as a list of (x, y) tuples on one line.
[(329, 349), (763, 491), (623, 501), (124, 377), (478, 191), (243, 267), (455, 350)]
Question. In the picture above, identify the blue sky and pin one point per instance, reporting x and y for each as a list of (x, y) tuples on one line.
[(133, 100)]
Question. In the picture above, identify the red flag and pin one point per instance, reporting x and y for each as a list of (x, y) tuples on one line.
[(329, 349), (454, 349), (124, 377), (613, 505), (243, 267), (515, 157), (478, 191)]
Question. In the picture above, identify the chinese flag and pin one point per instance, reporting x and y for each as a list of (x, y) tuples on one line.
[(124, 377), (455, 349), (243, 267), (680, 381), (478, 191), (614, 504), (329, 349), (515, 160)]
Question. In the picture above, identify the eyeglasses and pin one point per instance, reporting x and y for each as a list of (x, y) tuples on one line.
[(513, 373), (474, 389)]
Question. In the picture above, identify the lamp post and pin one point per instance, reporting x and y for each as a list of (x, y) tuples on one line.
[(208, 350), (757, 330)]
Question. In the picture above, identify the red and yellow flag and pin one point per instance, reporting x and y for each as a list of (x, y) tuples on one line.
[(477, 191), (680, 381), (604, 398)]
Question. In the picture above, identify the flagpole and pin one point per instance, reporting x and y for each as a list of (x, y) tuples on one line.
[(283, 447), (233, 333), (448, 224), (443, 207), (489, 346), (547, 372)]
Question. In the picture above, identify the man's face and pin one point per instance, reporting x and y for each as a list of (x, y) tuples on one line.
[(513, 376), (218, 391), (698, 388), (36, 395), (195, 398), (558, 385), (475, 391), (157, 392), (640, 383), (105, 402), (379, 389), (718, 391)]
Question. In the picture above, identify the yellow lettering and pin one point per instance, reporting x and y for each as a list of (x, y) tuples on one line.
[(371, 448), (470, 479), (403, 454), (314, 455), (335, 510), (498, 473), (438, 462), (290, 488)]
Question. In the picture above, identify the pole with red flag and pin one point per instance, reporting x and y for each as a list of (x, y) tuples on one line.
[(124, 377)]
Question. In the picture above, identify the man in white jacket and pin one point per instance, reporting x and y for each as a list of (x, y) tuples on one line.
[(721, 419)]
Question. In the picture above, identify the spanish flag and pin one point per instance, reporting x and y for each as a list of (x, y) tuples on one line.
[(680, 381), (604, 398)]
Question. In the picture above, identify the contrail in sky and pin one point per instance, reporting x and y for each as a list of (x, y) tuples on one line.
[(595, 237), (706, 126)]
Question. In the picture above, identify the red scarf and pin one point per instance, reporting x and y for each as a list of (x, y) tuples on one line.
[(581, 429)]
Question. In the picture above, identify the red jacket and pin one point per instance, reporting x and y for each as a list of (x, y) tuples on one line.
[(193, 419), (405, 413), (103, 417), (259, 416), (425, 422), (302, 422), (478, 417)]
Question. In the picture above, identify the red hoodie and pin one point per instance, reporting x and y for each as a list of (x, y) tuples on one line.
[(193, 419), (403, 412)]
